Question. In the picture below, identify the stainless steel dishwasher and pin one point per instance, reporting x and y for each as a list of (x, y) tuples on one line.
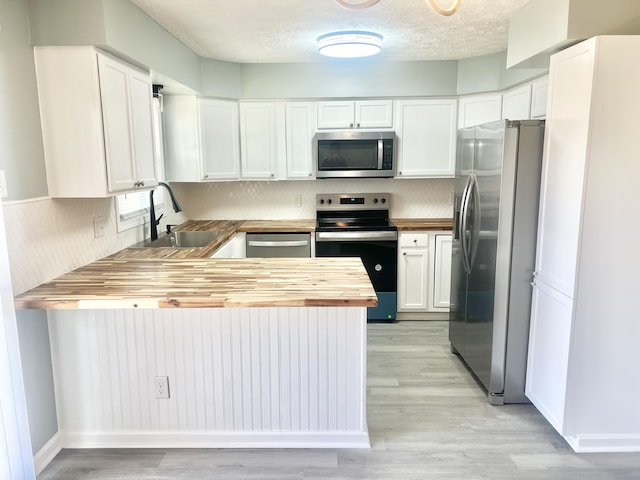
[(260, 245)]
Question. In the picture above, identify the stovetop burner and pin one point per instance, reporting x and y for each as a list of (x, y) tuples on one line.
[(353, 212)]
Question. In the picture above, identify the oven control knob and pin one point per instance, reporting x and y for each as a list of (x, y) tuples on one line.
[(329, 201), (375, 200), (384, 200), (378, 267), (322, 201)]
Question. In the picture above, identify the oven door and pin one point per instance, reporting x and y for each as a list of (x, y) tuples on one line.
[(379, 254)]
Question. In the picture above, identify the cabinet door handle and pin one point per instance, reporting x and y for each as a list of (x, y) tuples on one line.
[(351, 125), (404, 253), (142, 184)]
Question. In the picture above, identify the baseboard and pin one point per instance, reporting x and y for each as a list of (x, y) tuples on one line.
[(604, 443), (156, 439), (47, 453)]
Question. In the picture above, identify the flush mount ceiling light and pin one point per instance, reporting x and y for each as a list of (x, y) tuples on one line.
[(349, 44)]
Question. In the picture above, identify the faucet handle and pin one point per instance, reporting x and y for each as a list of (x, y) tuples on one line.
[(158, 219), (169, 227)]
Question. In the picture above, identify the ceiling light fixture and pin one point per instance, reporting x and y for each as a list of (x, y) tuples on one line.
[(445, 11), (349, 44)]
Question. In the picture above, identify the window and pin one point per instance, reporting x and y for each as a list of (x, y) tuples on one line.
[(132, 209)]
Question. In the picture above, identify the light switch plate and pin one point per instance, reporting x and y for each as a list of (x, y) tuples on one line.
[(4, 193)]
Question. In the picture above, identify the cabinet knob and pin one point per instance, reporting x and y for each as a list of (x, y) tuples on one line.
[(415, 240), (351, 125), (358, 125), (136, 184), (206, 176), (142, 184), (310, 173), (399, 173), (404, 253), (272, 175)]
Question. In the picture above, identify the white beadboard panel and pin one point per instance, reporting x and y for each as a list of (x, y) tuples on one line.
[(269, 370), (410, 198)]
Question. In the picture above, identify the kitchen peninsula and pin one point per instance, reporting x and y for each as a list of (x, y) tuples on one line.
[(258, 352)]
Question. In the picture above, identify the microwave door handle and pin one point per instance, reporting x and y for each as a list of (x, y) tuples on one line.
[(380, 153)]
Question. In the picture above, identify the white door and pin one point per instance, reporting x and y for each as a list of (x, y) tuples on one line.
[(413, 276), (516, 103), (548, 356), (114, 92), (479, 109), (142, 128), (563, 168), (300, 118), (219, 139), (426, 132), (374, 114), (258, 139), (337, 114), (442, 271)]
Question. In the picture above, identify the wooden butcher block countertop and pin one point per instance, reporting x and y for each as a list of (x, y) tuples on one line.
[(200, 283), (417, 224)]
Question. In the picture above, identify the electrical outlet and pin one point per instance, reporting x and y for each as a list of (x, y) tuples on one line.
[(4, 193), (98, 227), (161, 387), (297, 200)]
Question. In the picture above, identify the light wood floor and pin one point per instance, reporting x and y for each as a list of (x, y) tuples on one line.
[(428, 419)]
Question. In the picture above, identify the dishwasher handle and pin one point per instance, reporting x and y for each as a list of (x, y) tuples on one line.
[(278, 243)]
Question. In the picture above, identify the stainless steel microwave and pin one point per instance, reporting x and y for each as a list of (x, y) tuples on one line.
[(349, 154)]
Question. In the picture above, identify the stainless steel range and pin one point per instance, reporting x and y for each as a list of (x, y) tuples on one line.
[(357, 225)]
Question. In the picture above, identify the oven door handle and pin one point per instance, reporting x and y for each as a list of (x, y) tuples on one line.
[(278, 243), (355, 236)]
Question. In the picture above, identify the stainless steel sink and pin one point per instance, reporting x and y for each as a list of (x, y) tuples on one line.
[(182, 239)]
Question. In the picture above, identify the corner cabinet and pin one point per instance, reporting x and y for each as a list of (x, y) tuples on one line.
[(424, 271), (355, 114), (96, 114), (426, 134), (202, 141)]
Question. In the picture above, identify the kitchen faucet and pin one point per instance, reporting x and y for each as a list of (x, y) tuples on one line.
[(152, 210)]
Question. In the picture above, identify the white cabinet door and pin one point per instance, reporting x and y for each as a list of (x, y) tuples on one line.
[(563, 170), (516, 103), (300, 118), (479, 109), (548, 356), (219, 139), (346, 114), (426, 134), (374, 114), (114, 91), (442, 271), (413, 266), (142, 121), (539, 89), (260, 130), (336, 114)]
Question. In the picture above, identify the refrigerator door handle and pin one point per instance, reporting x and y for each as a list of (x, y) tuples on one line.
[(477, 215), (464, 207)]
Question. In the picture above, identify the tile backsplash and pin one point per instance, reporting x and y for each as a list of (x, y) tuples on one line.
[(49, 237), (416, 198)]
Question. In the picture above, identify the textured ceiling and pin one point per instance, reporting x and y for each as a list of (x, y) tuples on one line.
[(284, 31)]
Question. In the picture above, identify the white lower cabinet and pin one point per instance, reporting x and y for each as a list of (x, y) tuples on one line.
[(234, 248), (424, 271)]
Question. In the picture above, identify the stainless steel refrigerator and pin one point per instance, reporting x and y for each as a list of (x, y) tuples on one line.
[(495, 220)]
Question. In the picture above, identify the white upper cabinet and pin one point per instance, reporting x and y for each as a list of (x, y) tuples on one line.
[(539, 89), (479, 109), (300, 127), (516, 103), (355, 114), (426, 135), (96, 116), (202, 141), (262, 140)]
